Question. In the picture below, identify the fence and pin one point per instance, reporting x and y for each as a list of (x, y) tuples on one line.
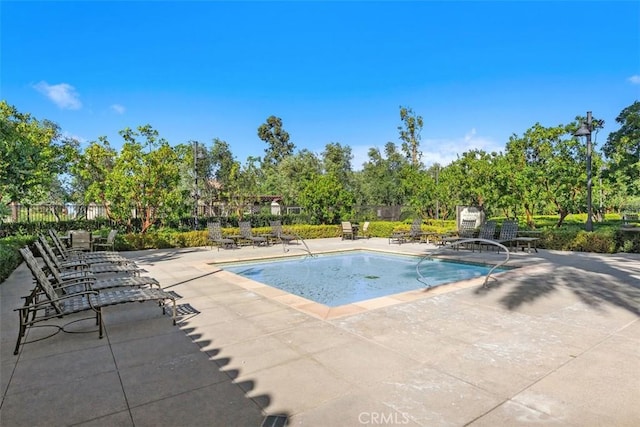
[(54, 212), (72, 211)]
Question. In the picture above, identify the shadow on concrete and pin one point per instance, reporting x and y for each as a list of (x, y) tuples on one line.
[(597, 280), (260, 401), (153, 256)]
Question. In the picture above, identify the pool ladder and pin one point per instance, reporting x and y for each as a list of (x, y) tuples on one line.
[(464, 242)]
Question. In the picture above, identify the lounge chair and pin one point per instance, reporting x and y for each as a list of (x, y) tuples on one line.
[(97, 283), (75, 268), (347, 231), (416, 234), (276, 233), (247, 234), (487, 232), (74, 261), (508, 233), (215, 237), (66, 253), (467, 231), (45, 303)]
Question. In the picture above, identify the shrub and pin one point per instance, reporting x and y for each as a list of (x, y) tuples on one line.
[(10, 257)]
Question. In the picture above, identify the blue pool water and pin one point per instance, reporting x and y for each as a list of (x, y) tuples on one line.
[(348, 277)]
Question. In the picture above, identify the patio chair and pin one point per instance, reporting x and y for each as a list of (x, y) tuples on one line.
[(97, 283), (45, 303), (81, 240), (216, 239), (365, 230), (348, 231), (247, 234), (276, 233), (105, 243)]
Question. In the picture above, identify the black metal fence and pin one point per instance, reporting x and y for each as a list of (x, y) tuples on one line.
[(54, 212)]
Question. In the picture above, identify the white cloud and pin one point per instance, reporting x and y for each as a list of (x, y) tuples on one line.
[(444, 151), (67, 135), (635, 79), (118, 109), (63, 95)]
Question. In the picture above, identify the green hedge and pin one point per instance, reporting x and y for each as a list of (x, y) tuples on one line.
[(10, 257), (608, 237), (605, 239)]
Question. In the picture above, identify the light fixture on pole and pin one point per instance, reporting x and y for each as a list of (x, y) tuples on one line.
[(196, 191), (585, 130)]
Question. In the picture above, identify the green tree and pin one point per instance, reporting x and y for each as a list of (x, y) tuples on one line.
[(622, 150), (337, 160), (549, 169), (383, 176), (93, 166), (410, 135), (144, 178), (476, 173), (33, 156), (277, 139), (243, 185), (291, 176), (326, 200)]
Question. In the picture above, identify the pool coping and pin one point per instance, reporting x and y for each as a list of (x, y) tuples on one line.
[(324, 312)]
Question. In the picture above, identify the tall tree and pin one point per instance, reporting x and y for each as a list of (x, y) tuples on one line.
[(550, 169), (623, 151), (383, 178), (292, 175), (277, 140), (337, 161), (93, 166), (33, 155), (224, 165), (410, 134), (144, 177), (243, 188)]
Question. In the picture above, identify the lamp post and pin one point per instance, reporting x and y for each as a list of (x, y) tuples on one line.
[(196, 193), (437, 200), (585, 130)]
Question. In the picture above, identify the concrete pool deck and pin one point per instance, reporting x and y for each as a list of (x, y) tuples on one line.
[(556, 342)]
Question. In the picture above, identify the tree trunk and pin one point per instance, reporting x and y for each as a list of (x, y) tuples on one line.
[(563, 214)]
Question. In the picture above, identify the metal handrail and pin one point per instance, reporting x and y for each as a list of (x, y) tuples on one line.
[(462, 242), (284, 244)]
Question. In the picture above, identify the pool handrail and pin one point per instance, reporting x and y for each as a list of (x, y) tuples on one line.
[(463, 242), (284, 244)]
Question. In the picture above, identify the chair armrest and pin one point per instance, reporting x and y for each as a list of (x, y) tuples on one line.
[(34, 305)]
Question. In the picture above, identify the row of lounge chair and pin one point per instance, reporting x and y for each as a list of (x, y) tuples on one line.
[(69, 282), (247, 236), (508, 235)]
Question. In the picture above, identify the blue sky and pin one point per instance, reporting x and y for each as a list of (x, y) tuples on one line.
[(476, 71)]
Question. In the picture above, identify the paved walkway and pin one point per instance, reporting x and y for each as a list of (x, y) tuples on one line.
[(556, 342)]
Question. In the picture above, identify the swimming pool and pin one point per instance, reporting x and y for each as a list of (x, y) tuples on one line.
[(347, 277)]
